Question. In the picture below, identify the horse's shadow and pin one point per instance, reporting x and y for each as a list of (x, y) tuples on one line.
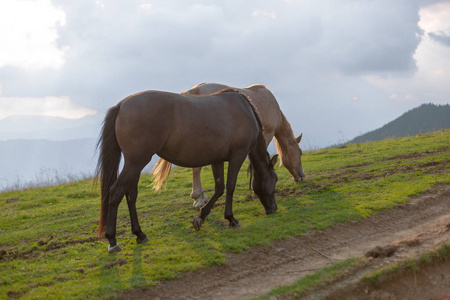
[(138, 279)]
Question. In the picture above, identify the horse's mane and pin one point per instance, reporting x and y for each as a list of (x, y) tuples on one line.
[(284, 133), (279, 149)]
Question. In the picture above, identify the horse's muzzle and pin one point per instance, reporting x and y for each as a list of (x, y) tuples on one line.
[(300, 176), (272, 210)]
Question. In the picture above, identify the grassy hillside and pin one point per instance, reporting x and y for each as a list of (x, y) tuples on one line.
[(48, 247), (422, 119)]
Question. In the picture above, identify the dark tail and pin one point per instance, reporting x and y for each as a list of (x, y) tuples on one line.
[(108, 162)]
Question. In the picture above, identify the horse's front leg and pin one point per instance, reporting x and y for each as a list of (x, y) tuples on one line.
[(233, 171), (218, 191), (198, 194)]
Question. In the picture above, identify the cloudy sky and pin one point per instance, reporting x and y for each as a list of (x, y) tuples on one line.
[(337, 68)]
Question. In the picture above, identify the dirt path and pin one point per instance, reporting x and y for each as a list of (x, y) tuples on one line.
[(397, 234)]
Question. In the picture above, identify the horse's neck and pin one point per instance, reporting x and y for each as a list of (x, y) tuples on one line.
[(284, 134), (258, 154)]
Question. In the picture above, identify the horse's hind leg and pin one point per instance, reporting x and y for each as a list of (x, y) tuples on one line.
[(135, 227), (198, 194), (116, 194), (126, 184)]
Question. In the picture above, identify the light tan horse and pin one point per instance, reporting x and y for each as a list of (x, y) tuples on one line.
[(275, 126)]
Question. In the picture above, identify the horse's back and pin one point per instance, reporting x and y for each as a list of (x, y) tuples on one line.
[(186, 130)]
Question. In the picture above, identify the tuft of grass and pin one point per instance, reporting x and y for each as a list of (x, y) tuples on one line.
[(48, 245)]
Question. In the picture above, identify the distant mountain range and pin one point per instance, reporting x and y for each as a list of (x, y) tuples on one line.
[(42, 162), (38, 150), (49, 128), (422, 119)]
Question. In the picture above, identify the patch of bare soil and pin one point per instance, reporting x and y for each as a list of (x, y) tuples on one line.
[(401, 233)]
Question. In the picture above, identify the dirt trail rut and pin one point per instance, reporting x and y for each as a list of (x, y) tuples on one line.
[(420, 224)]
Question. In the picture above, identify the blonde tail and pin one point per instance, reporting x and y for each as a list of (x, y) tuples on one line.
[(161, 173)]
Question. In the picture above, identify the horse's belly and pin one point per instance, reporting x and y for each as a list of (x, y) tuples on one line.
[(195, 155)]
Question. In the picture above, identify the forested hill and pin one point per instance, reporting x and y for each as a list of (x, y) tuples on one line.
[(422, 119)]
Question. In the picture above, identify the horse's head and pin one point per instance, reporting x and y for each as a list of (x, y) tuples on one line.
[(264, 184), (292, 159)]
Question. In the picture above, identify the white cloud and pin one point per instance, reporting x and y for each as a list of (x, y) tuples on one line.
[(328, 58), (264, 13), (146, 6), (435, 17), (359, 43), (430, 82), (100, 4), (46, 106), (28, 34)]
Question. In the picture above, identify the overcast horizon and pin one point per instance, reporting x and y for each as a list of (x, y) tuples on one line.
[(337, 68)]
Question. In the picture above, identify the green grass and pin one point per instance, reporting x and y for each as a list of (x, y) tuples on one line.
[(47, 237)]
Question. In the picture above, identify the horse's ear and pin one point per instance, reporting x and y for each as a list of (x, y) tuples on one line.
[(299, 138), (274, 160)]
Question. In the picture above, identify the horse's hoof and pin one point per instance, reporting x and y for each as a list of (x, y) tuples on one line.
[(198, 203), (139, 241), (114, 249), (205, 198), (234, 224), (197, 222)]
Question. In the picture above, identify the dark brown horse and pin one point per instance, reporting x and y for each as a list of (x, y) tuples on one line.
[(188, 131)]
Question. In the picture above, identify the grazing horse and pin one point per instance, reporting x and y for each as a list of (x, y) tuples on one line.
[(189, 131), (275, 126)]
